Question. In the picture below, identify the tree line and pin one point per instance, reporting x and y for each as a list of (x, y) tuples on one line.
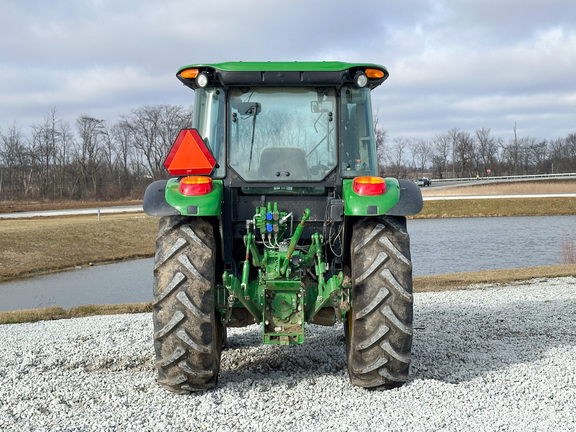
[(461, 154), (92, 160), (97, 160)]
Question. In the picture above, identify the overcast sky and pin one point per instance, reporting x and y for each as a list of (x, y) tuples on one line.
[(453, 63)]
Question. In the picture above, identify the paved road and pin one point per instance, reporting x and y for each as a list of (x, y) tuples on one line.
[(460, 197), (138, 208), (69, 212)]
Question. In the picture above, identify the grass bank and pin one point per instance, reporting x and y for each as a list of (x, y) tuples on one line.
[(36, 246), (54, 313), (44, 245), (446, 208), (454, 281), (452, 208), (31, 206), (506, 188)]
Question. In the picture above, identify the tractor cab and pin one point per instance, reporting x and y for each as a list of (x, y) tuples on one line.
[(283, 129)]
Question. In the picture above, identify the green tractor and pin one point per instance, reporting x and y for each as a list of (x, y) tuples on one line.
[(276, 215)]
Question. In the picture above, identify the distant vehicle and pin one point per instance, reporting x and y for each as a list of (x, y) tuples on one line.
[(423, 182)]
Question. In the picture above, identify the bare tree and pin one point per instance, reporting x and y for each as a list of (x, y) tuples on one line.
[(397, 156), (154, 129), (121, 134), (454, 133), (66, 184), (442, 146), (487, 150), (537, 155), (90, 152), (571, 145), (562, 154), (44, 142), (512, 153), (381, 136), (13, 162), (463, 151), (421, 153)]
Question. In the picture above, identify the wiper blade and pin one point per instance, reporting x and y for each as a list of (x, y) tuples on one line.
[(253, 110)]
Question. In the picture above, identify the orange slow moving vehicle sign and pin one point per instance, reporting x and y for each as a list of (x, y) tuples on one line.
[(189, 155)]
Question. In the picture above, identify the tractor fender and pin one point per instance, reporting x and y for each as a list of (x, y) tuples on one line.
[(370, 205), (208, 204), (410, 202), (154, 203)]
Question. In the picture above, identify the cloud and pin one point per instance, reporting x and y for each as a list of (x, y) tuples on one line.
[(457, 85), (479, 63)]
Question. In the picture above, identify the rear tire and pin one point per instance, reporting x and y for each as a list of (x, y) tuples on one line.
[(379, 326), (187, 332)]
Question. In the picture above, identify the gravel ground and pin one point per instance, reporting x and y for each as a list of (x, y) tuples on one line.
[(490, 358)]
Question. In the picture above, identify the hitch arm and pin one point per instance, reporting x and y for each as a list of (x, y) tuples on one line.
[(294, 241)]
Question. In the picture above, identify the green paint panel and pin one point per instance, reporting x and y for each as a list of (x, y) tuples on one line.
[(198, 205), (327, 66)]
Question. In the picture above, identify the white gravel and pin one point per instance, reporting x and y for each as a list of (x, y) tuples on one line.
[(490, 358)]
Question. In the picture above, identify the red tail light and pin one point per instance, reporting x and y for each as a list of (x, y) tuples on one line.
[(191, 186), (369, 185)]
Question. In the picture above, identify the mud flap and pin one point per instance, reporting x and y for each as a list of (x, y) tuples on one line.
[(154, 203), (410, 200)]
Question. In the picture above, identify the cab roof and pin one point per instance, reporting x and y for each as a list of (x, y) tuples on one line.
[(325, 73)]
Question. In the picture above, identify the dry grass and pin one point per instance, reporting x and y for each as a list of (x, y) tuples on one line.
[(455, 281), (501, 206), (28, 206), (53, 313), (498, 207), (41, 245)]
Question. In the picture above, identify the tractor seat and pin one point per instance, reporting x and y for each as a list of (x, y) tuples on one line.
[(283, 163)]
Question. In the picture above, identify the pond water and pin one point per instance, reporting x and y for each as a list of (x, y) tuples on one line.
[(438, 246), (126, 282), (441, 246)]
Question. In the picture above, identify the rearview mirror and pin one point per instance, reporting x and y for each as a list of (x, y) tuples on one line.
[(247, 108), (322, 107)]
